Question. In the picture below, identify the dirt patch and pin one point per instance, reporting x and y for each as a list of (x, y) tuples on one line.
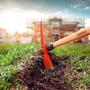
[(35, 77)]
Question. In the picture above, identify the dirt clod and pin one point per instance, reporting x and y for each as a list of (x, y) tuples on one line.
[(34, 75)]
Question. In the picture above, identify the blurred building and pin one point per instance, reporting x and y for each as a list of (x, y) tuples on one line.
[(25, 37), (57, 28), (2, 34), (36, 31), (5, 36)]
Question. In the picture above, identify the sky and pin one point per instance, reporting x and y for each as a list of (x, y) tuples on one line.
[(21, 10), (76, 8)]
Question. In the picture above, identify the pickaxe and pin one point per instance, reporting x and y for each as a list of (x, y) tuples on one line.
[(47, 47)]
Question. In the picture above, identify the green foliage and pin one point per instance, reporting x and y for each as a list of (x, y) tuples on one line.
[(86, 79), (83, 68), (4, 47), (18, 50), (7, 67), (73, 50), (6, 75), (10, 53)]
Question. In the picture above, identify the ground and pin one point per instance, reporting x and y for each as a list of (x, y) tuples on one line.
[(72, 65)]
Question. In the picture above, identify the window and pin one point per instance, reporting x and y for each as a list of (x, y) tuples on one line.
[(55, 37), (55, 24)]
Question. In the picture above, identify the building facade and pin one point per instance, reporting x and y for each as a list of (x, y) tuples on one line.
[(57, 28)]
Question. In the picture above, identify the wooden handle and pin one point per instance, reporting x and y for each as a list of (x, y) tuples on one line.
[(77, 35)]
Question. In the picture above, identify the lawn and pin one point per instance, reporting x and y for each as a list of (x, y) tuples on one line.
[(13, 55), (73, 49)]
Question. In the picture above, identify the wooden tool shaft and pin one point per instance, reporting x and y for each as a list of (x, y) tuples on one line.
[(77, 35)]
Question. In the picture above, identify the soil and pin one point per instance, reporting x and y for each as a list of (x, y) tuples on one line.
[(35, 77)]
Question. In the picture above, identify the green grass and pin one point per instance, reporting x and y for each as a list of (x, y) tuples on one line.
[(77, 51), (9, 64), (5, 47), (82, 66), (8, 55), (73, 50), (14, 50)]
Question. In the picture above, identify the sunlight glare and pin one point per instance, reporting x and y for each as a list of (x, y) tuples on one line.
[(87, 23), (13, 21)]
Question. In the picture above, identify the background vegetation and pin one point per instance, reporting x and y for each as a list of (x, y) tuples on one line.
[(13, 55)]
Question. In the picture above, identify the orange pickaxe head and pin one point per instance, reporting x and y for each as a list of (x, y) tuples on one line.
[(47, 62)]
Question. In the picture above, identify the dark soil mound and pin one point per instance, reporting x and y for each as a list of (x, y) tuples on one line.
[(34, 75)]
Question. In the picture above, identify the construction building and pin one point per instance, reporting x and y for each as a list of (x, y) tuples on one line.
[(57, 28)]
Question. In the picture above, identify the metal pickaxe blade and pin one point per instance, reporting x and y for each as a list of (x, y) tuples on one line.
[(47, 61)]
